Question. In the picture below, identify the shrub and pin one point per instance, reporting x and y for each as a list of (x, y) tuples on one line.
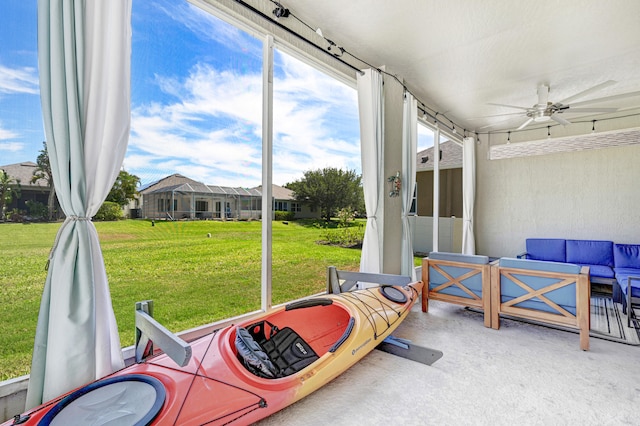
[(345, 217), (343, 236), (37, 210), (280, 215), (109, 211), (16, 215)]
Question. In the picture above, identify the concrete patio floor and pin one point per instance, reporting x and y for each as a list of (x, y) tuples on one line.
[(522, 374)]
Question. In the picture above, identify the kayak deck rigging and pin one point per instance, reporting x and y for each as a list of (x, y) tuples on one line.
[(374, 308)]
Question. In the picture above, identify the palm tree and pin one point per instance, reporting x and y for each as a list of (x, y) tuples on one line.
[(43, 171), (9, 188)]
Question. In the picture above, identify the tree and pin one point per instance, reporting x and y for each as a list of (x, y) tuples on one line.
[(329, 189), (43, 171), (9, 188), (124, 188)]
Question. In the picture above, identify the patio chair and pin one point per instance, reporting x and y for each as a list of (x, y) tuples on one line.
[(457, 278), (548, 292)]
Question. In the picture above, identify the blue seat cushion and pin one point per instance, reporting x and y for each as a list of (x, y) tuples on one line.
[(622, 276), (626, 255), (601, 271), (590, 252), (550, 249)]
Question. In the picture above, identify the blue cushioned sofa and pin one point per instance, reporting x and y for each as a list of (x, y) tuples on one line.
[(546, 291), (627, 272), (597, 255), (615, 264)]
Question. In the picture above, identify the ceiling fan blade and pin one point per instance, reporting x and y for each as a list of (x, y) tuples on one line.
[(509, 106), (571, 109), (525, 124), (495, 115), (497, 123), (560, 120), (606, 99), (590, 90)]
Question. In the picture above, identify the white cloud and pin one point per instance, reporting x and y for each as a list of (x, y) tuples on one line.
[(11, 146), (207, 27), (7, 134), (7, 141), (213, 134), (19, 80)]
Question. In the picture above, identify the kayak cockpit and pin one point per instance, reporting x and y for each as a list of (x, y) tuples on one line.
[(292, 339)]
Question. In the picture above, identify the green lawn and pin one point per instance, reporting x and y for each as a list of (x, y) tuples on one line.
[(193, 279)]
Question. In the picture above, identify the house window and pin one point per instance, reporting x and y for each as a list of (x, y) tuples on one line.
[(165, 204), (296, 207), (414, 201), (202, 206), (282, 206)]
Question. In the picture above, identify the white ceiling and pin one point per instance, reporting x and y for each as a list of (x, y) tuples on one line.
[(459, 55)]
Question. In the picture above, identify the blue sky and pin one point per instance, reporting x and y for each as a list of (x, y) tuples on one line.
[(196, 90)]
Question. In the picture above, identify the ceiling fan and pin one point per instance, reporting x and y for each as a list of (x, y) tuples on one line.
[(545, 110)]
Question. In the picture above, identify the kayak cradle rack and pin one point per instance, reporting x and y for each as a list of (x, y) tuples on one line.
[(150, 332)]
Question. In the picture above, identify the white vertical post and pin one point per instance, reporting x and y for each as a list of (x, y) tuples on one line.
[(267, 168), (436, 188)]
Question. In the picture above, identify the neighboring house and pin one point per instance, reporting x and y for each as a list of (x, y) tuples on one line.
[(283, 200), (37, 191), (450, 180), (179, 197)]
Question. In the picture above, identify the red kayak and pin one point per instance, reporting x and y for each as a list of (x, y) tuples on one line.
[(241, 373)]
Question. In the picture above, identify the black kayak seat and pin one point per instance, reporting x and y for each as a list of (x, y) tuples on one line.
[(285, 351)]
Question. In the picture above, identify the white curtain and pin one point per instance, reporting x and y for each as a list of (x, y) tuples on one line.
[(370, 106), (468, 194), (84, 55), (409, 153)]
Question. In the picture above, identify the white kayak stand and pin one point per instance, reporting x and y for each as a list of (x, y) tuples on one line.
[(150, 332), (405, 349)]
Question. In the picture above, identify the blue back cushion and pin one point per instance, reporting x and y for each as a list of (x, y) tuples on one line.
[(473, 283), (457, 257), (590, 252), (539, 265), (551, 249), (564, 296), (627, 255)]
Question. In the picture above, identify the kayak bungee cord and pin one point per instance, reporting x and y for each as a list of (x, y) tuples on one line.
[(369, 310), (262, 403)]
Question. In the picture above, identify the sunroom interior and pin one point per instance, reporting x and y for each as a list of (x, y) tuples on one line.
[(547, 93)]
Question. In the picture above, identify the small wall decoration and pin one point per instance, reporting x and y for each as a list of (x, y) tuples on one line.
[(396, 184)]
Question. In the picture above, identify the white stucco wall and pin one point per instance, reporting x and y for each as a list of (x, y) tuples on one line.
[(592, 194)]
